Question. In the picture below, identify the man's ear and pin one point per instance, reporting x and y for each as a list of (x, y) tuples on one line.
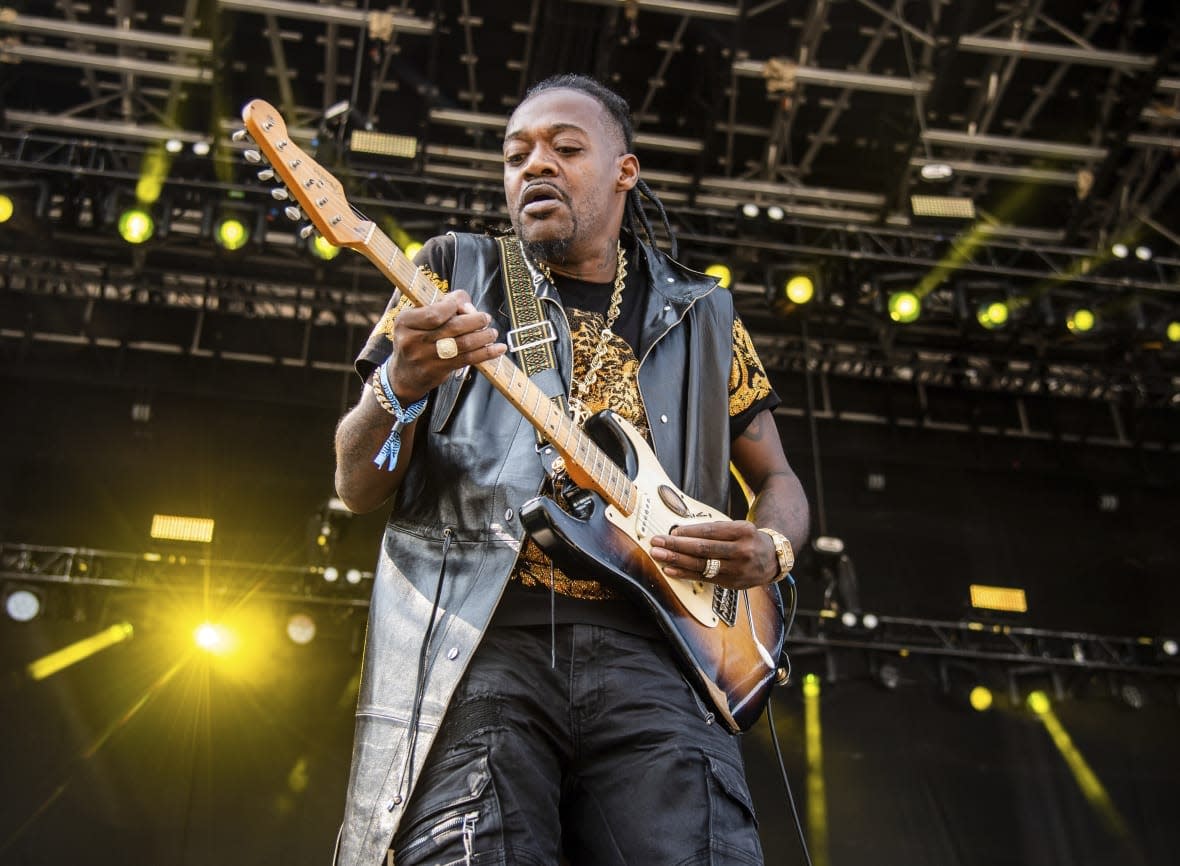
[(628, 172)]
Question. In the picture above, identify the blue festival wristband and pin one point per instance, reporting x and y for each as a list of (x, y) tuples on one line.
[(403, 418)]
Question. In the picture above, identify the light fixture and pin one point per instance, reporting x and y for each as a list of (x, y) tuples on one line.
[(7, 208), (992, 315), (1143, 253), (776, 213), (201, 148), (1000, 598), (22, 604), (1170, 647), (1172, 331), (980, 698), (848, 619), (1132, 696), (750, 210), (1081, 320), (722, 273), (904, 307), (1119, 250), (171, 527), (174, 145), (136, 225), (889, 676), (936, 171), (301, 628), (323, 249), (799, 289), (942, 207), (331, 574), (1038, 702), (353, 576), (231, 233), (870, 621)]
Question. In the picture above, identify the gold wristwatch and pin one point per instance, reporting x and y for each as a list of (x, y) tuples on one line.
[(782, 550)]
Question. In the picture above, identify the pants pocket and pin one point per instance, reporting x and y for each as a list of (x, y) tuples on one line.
[(733, 826), (454, 815)]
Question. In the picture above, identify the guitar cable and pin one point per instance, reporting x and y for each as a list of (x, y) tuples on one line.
[(778, 752)]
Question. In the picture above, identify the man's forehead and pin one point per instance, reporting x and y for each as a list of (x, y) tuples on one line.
[(557, 110)]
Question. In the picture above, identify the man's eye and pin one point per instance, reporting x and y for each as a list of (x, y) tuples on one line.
[(514, 158)]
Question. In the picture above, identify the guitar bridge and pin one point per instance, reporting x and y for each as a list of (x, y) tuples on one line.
[(725, 604)]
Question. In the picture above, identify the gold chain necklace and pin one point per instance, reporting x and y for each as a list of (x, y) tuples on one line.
[(577, 401)]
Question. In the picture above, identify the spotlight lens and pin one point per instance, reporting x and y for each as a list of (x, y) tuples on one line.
[(201, 148), (301, 628), (353, 576), (212, 638), (749, 210), (1143, 254), (1119, 251), (22, 605), (1038, 702), (1174, 331), (870, 621), (981, 698), (174, 145), (775, 212), (1081, 321), (993, 315), (136, 226), (904, 307), (331, 574), (722, 273), (6, 208), (800, 289), (324, 248), (232, 233)]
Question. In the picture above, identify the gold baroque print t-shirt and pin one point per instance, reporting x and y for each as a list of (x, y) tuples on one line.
[(575, 597)]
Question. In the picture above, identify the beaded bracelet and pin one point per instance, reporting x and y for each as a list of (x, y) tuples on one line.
[(383, 391)]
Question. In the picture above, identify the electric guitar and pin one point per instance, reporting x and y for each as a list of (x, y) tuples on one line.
[(727, 641)]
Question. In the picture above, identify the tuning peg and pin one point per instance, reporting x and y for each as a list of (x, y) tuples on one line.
[(293, 213), (266, 174), (252, 156), (307, 231), (279, 194), (240, 135)]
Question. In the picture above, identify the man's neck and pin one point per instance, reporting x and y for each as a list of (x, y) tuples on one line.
[(599, 266)]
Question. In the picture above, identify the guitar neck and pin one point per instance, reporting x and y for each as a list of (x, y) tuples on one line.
[(586, 463)]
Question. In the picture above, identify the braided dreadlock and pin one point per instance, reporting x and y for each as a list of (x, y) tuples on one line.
[(634, 217)]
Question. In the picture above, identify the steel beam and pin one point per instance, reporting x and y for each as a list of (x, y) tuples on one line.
[(1025, 146), (107, 63), (93, 33), (1056, 53), (890, 84), (402, 23)]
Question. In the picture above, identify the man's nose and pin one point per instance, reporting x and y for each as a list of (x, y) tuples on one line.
[(539, 163)]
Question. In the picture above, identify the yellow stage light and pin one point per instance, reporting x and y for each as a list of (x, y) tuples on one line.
[(904, 307), (136, 226), (214, 638), (171, 527), (47, 666), (231, 233), (981, 698), (7, 208), (1173, 331), (148, 189), (412, 249), (1006, 598), (1038, 702), (993, 315), (810, 686), (800, 289), (324, 249), (723, 275), (1081, 320)]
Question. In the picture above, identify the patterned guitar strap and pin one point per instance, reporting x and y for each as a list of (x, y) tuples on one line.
[(531, 337)]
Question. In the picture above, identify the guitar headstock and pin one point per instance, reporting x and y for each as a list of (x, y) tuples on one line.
[(318, 193)]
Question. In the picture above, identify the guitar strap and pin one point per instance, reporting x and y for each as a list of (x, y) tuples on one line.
[(532, 336)]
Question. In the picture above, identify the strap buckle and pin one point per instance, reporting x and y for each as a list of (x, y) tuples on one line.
[(548, 335)]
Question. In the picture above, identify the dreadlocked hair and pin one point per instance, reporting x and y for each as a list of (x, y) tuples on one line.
[(634, 217)]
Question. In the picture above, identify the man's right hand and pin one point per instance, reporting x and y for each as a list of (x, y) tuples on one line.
[(416, 365)]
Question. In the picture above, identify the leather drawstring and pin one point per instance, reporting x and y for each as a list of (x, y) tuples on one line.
[(420, 688)]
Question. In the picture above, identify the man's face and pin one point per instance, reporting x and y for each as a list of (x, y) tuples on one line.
[(565, 175)]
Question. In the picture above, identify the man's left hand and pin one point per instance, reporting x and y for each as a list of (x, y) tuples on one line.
[(745, 557)]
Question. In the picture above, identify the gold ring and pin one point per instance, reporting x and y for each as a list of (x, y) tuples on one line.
[(712, 566), (447, 348)]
